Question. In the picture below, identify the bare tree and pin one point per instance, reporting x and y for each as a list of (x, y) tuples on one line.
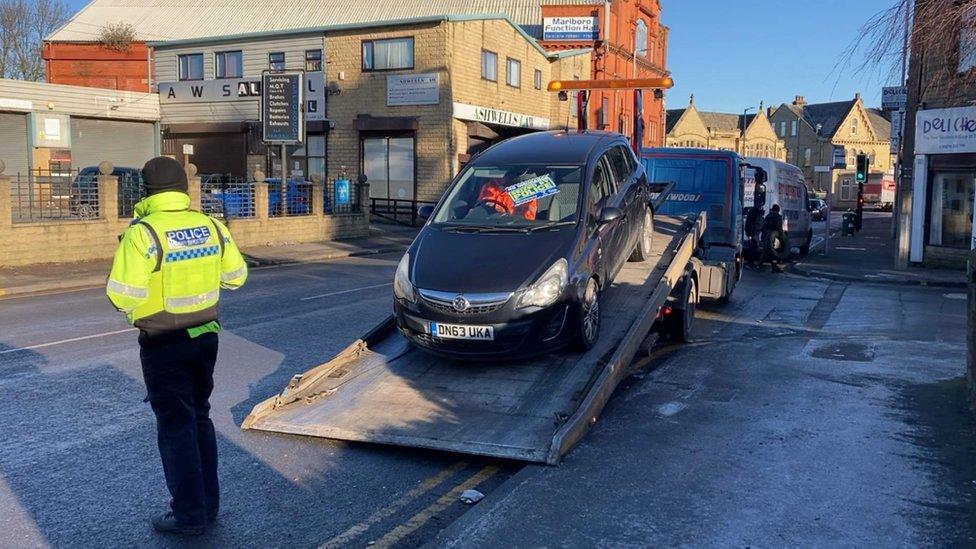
[(927, 28), (23, 26)]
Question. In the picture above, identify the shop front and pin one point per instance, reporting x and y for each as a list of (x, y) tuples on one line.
[(944, 186)]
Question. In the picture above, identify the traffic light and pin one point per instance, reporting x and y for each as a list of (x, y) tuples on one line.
[(861, 175)]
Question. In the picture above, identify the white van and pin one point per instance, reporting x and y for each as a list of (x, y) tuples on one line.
[(785, 186)]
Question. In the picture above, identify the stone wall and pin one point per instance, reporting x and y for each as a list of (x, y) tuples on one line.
[(66, 241)]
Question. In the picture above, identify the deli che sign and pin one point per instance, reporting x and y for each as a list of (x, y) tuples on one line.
[(499, 117), (945, 131)]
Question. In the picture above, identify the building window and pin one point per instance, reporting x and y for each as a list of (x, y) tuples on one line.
[(313, 60), (308, 159), (276, 60), (793, 128), (489, 65), (854, 126), (513, 72), (846, 190), (951, 223), (782, 129), (387, 55), (228, 64), (806, 156), (604, 118), (191, 66), (640, 38), (967, 39), (388, 162), (537, 80)]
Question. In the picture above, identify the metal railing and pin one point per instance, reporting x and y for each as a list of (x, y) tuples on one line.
[(342, 196), (294, 201), (42, 195), (227, 197), (404, 212)]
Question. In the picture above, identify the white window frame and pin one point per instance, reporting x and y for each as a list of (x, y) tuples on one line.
[(793, 127), (369, 56), (537, 79), (271, 64), (220, 64), (489, 66), (183, 67), (315, 57), (513, 78)]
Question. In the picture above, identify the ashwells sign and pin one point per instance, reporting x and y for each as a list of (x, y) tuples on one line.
[(946, 131)]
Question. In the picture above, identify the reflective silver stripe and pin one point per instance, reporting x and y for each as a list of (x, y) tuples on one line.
[(126, 290), (192, 300), (233, 275)]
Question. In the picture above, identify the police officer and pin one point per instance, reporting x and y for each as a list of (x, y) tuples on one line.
[(168, 270), (772, 230)]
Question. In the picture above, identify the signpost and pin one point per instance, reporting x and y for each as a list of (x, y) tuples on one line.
[(282, 122), (894, 98)]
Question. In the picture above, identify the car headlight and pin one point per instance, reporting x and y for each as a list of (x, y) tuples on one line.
[(402, 288), (548, 288)]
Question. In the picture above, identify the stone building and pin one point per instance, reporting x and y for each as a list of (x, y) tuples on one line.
[(810, 131), (748, 135)]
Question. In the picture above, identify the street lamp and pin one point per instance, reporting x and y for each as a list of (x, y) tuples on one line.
[(820, 159), (745, 113)]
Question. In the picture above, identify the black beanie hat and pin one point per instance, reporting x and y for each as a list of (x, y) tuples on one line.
[(163, 174)]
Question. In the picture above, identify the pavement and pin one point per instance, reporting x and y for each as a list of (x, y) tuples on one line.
[(383, 238), (869, 256), (807, 412)]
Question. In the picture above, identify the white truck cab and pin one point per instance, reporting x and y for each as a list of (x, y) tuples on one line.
[(785, 186)]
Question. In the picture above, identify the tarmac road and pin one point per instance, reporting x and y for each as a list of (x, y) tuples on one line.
[(808, 412)]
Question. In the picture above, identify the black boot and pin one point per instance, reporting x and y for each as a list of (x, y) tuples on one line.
[(168, 524)]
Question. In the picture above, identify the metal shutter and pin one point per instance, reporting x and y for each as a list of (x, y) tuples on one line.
[(124, 144), (13, 143)]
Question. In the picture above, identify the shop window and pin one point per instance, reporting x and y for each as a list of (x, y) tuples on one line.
[(846, 190), (276, 61), (640, 38), (513, 72), (191, 66), (489, 65), (967, 39), (537, 79), (313, 60), (228, 64), (387, 55), (951, 212), (388, 162)]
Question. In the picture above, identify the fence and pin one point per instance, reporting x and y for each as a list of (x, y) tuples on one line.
[(405, 212), (45, 195), (227, 197)]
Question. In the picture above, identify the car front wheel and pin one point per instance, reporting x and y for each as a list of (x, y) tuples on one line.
[(642, 252), (589, 318)]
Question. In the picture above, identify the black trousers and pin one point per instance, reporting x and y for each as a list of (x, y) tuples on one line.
[(178, 372)]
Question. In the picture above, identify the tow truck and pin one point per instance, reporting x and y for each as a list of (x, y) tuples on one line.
[(380, 389)]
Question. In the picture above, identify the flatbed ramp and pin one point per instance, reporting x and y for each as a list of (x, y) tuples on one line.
[(383, 390)]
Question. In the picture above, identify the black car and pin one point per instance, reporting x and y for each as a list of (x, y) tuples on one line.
[(83, 201), (818, 209), (512, 260)]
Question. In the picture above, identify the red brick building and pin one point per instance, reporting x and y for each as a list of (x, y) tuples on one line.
[(633, 25), (94, 66)]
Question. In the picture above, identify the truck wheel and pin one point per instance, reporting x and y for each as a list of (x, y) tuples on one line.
[(681, 321), (805, 248), (642, 252), (588, 326), (777, 245)]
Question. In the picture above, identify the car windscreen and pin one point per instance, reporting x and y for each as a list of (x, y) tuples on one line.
[(513, 196)]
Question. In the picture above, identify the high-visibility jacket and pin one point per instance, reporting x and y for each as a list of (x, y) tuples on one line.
[(171, 264), (495, 195)]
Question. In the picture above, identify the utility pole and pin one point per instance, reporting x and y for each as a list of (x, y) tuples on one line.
[(743, 138)]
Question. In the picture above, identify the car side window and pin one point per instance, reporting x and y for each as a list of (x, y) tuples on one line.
[(597, 193), (618, 158)]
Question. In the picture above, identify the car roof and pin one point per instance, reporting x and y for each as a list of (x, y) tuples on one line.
[(556, 147)]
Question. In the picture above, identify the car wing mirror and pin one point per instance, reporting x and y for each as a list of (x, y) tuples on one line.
[(425, 211), (610, 214), (760, 199)]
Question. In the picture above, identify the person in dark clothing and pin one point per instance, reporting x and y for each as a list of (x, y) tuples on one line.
[(772, 229), (753, 231)]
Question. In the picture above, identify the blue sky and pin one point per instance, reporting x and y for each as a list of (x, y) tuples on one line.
[(733, 53)]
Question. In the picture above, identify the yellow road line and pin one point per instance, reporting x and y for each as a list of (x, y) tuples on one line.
[(426, 486), (421, 518)]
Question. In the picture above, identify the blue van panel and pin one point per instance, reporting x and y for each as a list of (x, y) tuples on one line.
[(704, 180)]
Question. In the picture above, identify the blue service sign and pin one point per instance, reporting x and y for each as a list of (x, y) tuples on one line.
[(281, 107), (342, 192)]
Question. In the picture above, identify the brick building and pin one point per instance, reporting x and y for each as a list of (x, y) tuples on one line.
[(408, 101)]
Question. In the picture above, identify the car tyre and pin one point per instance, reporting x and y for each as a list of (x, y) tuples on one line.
[(678, 326), (642, 251), (588, 325)]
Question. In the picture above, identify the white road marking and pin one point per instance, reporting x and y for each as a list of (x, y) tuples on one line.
[(62, 341), (330, 294)]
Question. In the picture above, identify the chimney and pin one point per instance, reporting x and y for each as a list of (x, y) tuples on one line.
[(857, 96), (799, 101)]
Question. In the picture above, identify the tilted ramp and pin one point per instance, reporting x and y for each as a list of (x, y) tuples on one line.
[(383, 390)]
